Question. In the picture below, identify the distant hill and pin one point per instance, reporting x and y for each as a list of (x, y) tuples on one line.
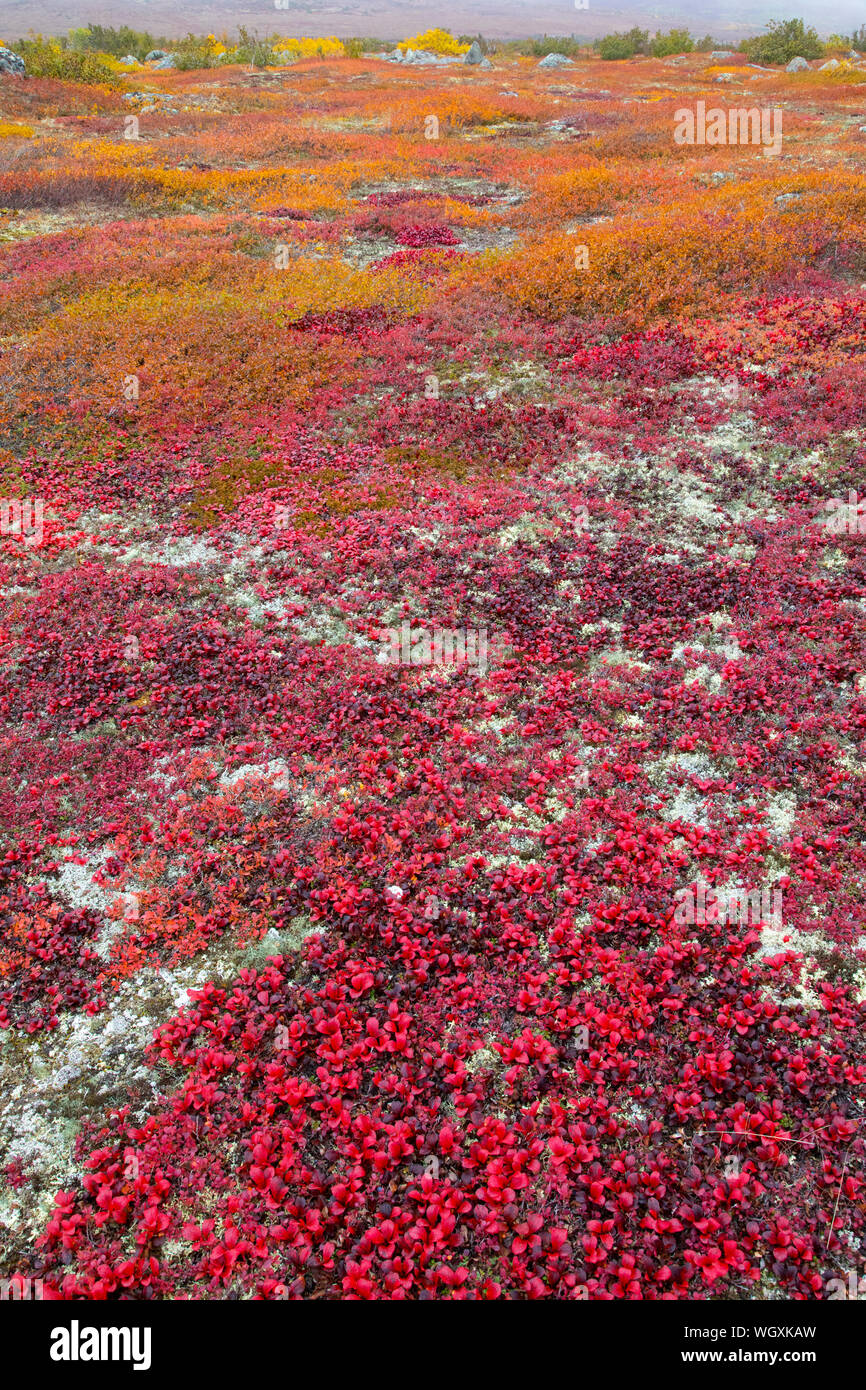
[(397, 19)]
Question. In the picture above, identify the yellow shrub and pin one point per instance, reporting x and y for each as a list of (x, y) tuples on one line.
[(436, 41), (684, 258), (311, 48), (578, 190)]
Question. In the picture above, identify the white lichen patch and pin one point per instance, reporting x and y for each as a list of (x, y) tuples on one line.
[(276, 772), (529, 527), (180, 553), (609, 657), (91, 1064), (781, 814), (484, 1059), (77, 885), (686, 807)]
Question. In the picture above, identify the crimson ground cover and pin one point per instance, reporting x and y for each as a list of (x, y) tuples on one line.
[(325, 975)]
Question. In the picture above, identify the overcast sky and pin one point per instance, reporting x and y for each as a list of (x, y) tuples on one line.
[(399, 18)]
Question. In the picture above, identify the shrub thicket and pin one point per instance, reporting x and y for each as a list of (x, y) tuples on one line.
[(785, 39)]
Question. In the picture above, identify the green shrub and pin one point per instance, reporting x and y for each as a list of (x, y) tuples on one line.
[(475, 38), (191, 53), (624, 45), (259, 53), (640, 39), (676, 41), (357, 47), (539, 48), (616, 46), (785, 39), (49, 58), (99, 38)]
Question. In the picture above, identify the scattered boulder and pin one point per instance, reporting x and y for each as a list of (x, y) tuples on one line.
[(485, 63), (724, 77), (166, 62), (797, 65), (130, 61), (556, 60), (154, 54), (420, 58), (720, 54), (11, 64), (831, 63), (474, 55)]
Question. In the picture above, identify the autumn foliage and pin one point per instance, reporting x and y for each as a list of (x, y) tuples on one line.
[(379, 966)]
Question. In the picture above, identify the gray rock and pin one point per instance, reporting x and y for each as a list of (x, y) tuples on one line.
[(130, 61), (797, 65), (474, 55), (724, 77), (719, 54), (11, 64), (166, 62), (556, 60), (154, 54), (854, 55), (421, 58), (485, 63), (831, 63)]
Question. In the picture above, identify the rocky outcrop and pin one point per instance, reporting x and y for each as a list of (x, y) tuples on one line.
[(11, 64)]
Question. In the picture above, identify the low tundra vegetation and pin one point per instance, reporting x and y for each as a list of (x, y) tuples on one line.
[(379, 962)]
